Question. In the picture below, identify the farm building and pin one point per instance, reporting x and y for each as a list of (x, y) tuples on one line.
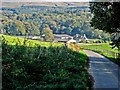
[(80, 38), (62, 37), (72, 41)]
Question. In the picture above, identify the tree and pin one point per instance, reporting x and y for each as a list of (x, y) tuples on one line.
[(48, 33), (19, 27), (31, 28), (106, 16), (14, 28)]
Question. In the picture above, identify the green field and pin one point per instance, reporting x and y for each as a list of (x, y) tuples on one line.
[(100, 46), (12, 40), (40, 67), (104, 49)]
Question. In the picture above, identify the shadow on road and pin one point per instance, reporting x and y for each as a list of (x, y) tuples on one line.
[(106, 74)]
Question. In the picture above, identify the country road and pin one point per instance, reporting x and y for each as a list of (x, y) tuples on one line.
[(106, 74)]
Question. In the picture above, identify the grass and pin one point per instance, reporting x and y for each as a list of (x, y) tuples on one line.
[(12, 40), (104, 49), (37, 66), (101, 46)]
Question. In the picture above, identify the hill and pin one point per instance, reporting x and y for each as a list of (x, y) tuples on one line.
[(18, 4), (44, 68)]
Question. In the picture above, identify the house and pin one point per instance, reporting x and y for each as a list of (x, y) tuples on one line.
[(77, 37), (80, 38), (72, 41), (67, 38), (62, 38), (84, 37)]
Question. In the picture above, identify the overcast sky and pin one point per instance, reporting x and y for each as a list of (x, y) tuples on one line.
[(58, 0), (45, 0)]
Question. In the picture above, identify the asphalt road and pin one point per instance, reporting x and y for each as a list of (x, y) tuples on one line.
[(105, 73)]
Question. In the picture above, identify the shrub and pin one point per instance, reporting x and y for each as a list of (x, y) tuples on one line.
[(31, 68)]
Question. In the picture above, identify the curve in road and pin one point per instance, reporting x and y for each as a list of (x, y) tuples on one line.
[(106, 74)]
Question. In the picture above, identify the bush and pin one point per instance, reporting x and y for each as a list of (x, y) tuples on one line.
[(31, 68)]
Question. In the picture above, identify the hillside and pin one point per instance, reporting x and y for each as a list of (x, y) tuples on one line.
[(43, 68), (56, 17), (18, 4)]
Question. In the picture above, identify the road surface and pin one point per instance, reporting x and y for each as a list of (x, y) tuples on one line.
[(105, 73)]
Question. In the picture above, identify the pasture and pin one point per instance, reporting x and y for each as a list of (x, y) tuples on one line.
[(104, 49)]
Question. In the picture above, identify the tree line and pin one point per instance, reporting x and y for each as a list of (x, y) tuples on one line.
[(72, 21)]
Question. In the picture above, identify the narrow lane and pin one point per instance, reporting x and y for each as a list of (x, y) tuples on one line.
[(106, 74)]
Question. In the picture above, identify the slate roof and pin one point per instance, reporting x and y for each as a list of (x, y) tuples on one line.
[(62, 37)]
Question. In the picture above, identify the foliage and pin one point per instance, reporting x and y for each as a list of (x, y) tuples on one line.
[(62, 20), (48, 34), (107, 18), (38, 67), (74, 46), (31, 28), (14, 28)]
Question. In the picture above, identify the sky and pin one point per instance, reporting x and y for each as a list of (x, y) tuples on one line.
[(45, 0), (58, 0)]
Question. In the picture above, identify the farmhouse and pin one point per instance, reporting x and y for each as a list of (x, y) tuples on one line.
[(72, 41), (84, 37), (80, 38), (62, 38)]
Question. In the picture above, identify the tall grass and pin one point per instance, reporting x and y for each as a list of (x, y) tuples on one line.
[(40, 67)]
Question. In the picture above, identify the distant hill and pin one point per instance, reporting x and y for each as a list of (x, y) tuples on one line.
[(18, 4)]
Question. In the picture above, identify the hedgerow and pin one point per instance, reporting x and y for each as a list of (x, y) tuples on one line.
[(38, 67)]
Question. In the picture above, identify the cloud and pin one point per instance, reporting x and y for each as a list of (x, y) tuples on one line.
[(45, 0)]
